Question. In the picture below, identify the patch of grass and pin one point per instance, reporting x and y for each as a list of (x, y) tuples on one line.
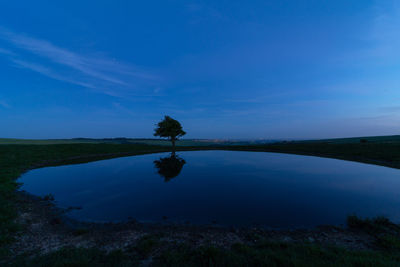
[(389, 242), (274, 254), (48, 197), (80, 231), (78, 257), (385, 154), (386, 233), (377, 225), (121, 140), (262, 254), (7, 214), (145, 246)]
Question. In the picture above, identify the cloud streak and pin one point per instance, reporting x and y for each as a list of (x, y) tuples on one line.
[(6, 52), (48, 72), (384, 32), (4, 104), (58, 63)]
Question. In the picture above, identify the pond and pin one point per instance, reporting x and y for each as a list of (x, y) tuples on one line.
[(221, 187)]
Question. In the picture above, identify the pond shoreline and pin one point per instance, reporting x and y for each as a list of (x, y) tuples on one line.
[(44, 229), (232, 188), (47, 229)]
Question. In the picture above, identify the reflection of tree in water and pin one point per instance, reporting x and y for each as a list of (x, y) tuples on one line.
[(169, 167)]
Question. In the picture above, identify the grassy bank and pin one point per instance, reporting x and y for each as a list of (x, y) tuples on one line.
[(385, 154), (156, 250), (379, 150), (262, 254), (15, 159), (122, 140)]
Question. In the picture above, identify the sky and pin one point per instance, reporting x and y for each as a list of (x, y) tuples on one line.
[(225, 69)]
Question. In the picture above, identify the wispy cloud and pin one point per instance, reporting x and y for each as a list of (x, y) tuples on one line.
[(384, 33), (6, 52), (4, 104), (201, 13), (62, 64), (48, 72)]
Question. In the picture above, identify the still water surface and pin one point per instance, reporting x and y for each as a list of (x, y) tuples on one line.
[(223, 187)]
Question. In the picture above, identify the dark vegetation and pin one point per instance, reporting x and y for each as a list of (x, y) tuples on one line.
[(170, 129), (153, 250), (15, 159), (374, 152)]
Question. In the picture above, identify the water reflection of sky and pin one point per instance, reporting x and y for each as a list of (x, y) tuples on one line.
[(232, 188)]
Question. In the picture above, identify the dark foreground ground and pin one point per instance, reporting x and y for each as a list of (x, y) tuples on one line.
[(35, 233)]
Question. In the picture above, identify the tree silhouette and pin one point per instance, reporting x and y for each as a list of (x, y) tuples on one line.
[(170, 129), (169, 167)]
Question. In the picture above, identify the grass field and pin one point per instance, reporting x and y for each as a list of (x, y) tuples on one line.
[(7, 141), (369, 139), (16, 156), (156, 142), (262, 254), (385, 154)]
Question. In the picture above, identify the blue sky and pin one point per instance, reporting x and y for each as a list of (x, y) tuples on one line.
[(225, 69)]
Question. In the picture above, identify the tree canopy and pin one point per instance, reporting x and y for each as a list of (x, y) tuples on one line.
[(169, 128)]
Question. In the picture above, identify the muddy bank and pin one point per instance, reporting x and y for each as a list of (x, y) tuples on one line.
[(45, 228)]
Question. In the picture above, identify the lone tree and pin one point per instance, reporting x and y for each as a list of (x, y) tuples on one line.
[(171, 129)]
